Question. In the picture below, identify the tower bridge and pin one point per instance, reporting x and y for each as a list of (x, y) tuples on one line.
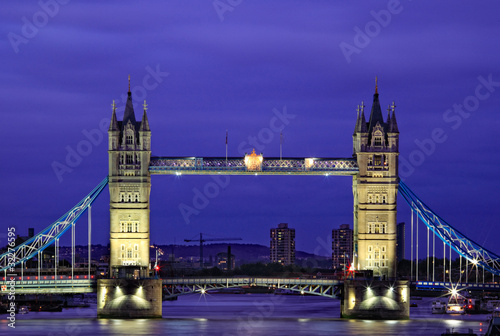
[(373, 168)]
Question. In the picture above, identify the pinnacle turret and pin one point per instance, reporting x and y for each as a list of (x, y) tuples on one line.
[(113, 125), (144, 122), (393, 126)]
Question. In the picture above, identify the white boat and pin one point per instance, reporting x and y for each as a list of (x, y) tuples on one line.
[(455, 308), (24, 310), (438, 307)]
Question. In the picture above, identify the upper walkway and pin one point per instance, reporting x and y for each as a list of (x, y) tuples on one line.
[(252, 165)]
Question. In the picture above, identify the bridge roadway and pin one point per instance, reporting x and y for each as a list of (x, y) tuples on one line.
[(182, 286), (429, 285), (238, 166)]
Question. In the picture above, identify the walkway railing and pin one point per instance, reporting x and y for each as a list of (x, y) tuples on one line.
[(269, 166)]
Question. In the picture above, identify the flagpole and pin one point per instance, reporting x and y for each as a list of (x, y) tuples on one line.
[(281, 146), (226, 148)]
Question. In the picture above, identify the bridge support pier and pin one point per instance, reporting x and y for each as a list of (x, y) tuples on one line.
[(129, 298), (376, 300)]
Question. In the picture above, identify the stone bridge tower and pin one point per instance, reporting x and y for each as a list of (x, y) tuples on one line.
[(375, 187), (129, 187)]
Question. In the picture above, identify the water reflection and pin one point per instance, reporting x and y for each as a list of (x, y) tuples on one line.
[(232, 315)]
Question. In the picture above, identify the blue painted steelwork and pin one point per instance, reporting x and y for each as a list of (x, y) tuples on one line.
[(464, 246), (236, 166), (42, 240), (439, 285)]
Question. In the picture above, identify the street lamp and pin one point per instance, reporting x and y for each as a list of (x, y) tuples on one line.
[(158, 252)]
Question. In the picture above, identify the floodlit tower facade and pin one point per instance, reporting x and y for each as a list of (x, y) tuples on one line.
[(376, 148), (129, 187)]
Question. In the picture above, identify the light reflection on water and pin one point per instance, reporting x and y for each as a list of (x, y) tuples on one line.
[(231, 315)]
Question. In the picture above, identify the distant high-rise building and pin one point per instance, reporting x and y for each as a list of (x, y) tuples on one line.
[(223, 261), (283, 245), (400, 241), (342, 241)]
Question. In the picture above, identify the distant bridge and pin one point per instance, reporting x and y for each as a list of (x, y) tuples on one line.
[(182, 286)]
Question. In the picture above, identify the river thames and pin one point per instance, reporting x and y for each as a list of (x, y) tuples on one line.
[(242, 314)]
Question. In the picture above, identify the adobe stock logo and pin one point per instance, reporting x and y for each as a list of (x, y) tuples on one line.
[(372, 29), (96, 136), (31, 27), (223, 6), (454, 117), (201, 198)]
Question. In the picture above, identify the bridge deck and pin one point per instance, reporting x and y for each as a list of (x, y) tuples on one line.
[(237, 166), (263, 281), (192, 285), (47, 286), (429, 285)]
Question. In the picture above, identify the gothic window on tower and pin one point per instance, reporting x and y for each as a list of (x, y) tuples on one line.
[(377, 141), (129, 226), (377, 227), (130, 139), (130, 159), (377, 160)]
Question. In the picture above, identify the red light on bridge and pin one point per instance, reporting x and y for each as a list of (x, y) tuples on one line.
[(85, 277), (92, 277), (36, 278), (44, 277), (53, 277), (28, 278), (78, 277), (61, 277)]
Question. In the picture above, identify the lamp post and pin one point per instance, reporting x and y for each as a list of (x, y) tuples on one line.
[(158, 252)]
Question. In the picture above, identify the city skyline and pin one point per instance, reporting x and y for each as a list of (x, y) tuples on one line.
[(202, 76)]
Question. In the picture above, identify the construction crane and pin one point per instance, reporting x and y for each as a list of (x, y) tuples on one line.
[(202, 240)]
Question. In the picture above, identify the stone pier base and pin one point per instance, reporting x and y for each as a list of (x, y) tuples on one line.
[(129, 298), (376, 300)]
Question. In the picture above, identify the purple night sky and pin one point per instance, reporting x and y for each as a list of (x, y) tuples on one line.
[(230, 68)]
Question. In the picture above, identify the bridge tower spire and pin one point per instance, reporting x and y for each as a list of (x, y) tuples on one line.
[(129, 154), (376, 148)]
